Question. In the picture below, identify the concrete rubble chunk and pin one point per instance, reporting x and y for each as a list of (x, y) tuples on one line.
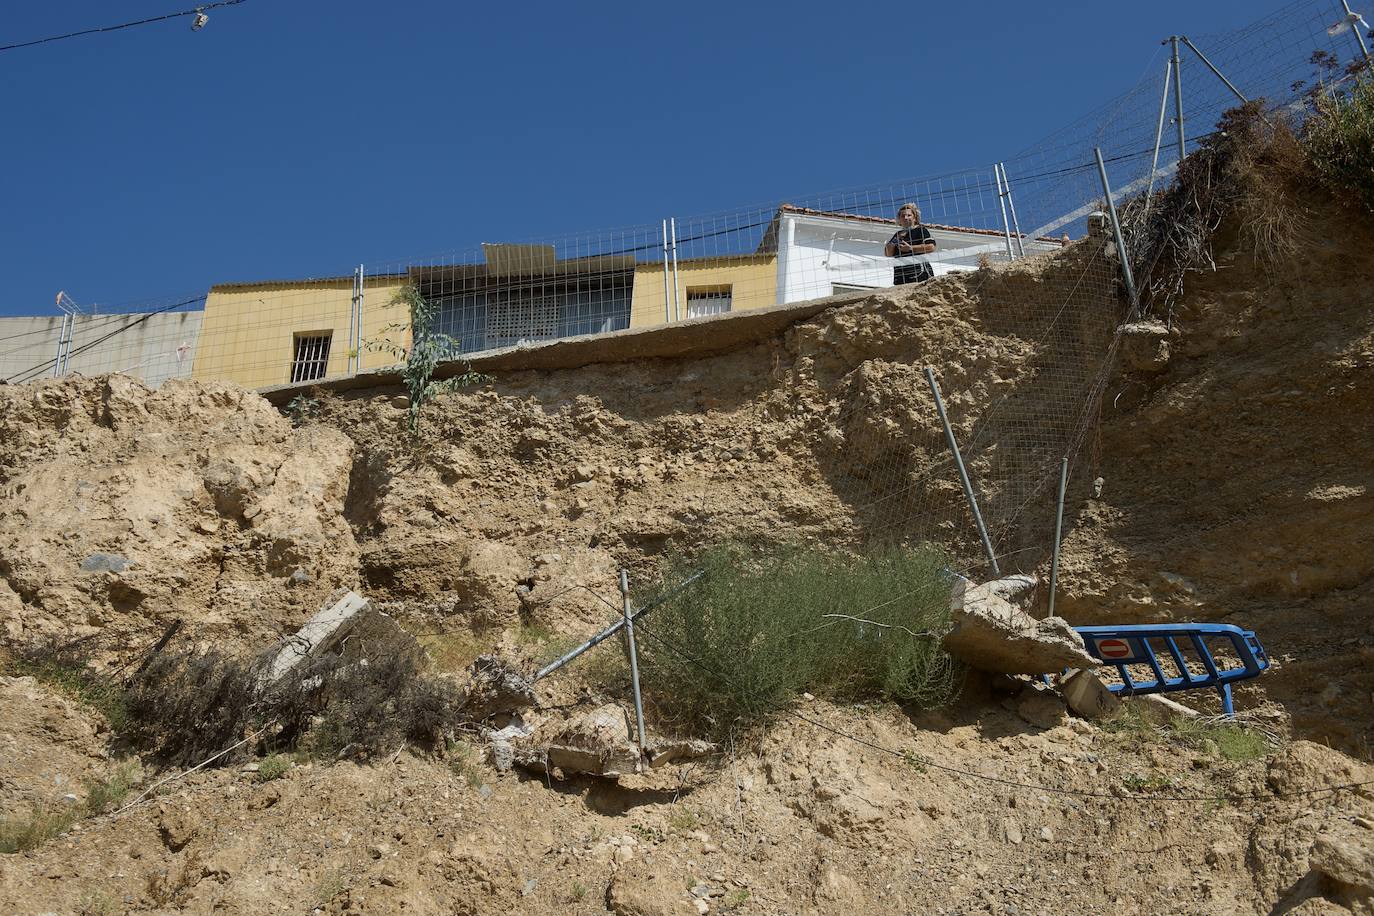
[(496, 688), (662, 751), (597, 742), (320, 633), (1088, 696), (991, 634)]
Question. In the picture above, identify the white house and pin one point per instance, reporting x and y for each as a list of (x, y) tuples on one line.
[(821, 253)]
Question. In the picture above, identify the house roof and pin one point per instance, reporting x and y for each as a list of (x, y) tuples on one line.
[(770, 236), (298, 281)]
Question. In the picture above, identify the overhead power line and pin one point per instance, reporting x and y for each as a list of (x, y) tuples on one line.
[(198, 12)]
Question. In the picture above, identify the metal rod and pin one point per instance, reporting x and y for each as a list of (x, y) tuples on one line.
[(629, 622), (1116, 228), (1354, 21), (1178, 98), (1212, 67), (1002, 201), (963, 473), (362, 301), (667, 303), (614, 628), (1159, 130), (1058, 530), (353, 322), (672, 229), (1011, 203)]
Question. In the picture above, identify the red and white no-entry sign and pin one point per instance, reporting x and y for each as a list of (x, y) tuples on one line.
[(1113, 648)]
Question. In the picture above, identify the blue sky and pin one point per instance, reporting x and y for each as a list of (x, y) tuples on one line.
[(293, 139)]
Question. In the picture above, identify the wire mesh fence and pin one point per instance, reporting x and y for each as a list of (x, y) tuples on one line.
[(1048, 323)]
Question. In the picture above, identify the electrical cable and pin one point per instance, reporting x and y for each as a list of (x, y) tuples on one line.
[(125, 25)]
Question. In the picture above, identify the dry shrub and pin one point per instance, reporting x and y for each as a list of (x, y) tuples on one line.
[(1251, 173), (1339, 136), (186, 704)]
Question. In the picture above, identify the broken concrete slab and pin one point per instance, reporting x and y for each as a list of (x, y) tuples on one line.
[(1088, 696), (1014, 588), (320, 633), (662, 751), (596, 742), (991, 634), (496, 688)]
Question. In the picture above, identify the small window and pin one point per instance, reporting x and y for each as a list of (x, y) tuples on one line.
[(312, 357), (707, 300)]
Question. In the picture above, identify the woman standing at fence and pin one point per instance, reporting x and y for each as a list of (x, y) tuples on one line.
[(911, 238)]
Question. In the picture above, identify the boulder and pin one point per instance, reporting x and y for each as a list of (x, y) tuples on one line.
[(1347, 858), (496, 688), (990, 634)]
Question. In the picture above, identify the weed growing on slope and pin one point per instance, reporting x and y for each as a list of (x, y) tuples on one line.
[(760, 628), (1339, 137)]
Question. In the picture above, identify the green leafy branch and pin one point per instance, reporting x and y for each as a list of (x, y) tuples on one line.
[(427, 350)]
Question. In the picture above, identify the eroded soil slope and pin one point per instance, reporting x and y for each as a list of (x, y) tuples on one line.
[(1239, 477)]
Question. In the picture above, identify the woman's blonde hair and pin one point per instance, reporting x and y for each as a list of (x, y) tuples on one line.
[(912, 207)]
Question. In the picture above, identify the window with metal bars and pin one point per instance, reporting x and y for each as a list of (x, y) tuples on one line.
[(312, 356), (712, 300)]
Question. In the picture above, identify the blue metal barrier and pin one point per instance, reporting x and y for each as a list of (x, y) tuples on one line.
[(1122, 647)]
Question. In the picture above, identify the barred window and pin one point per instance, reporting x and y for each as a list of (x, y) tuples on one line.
[(714, 300), (312, 356)]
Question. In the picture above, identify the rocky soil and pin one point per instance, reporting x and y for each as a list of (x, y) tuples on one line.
[(1234, 457)]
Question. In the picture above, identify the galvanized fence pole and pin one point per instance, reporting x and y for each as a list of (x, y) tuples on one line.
[(1058, 530), (667, 303), (362, 299), (1002, 201), (1178, 98), (1011, 203), (963, 473), (1159, 129), (614, 628), (1212, 67), (1354, 20), (672, 230), (1116, 228), (629, 621)]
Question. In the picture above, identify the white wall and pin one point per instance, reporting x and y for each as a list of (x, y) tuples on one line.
[(816, 252), (160, 347)]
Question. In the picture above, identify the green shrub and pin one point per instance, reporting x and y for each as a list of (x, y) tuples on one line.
[(762, 628), (24, 832), (1339, 137), (274, 766)]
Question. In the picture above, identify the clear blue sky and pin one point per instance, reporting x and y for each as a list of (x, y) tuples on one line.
[(292, 139)]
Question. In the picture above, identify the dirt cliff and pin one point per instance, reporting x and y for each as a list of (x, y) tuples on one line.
[(1234, 452)]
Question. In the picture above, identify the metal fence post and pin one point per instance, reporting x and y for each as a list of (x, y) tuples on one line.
[(1058, 530), (626, 612), (963, 473), (1159, 129), (672, 236), (1212, 67), (1011, 203), (1116, 228), (1002, 201), (1354, 21), (667, 303), (1178, 98)]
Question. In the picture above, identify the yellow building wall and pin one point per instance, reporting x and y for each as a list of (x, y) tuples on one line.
[(753, 283), (248, 333)]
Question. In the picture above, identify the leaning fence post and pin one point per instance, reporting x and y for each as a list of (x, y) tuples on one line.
[(628, 616), (963, 473), (1058, 530), (1116, 228)]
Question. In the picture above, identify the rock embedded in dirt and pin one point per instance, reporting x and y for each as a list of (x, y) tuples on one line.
[(496, 688), (1088, 696), (1347, 857)]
